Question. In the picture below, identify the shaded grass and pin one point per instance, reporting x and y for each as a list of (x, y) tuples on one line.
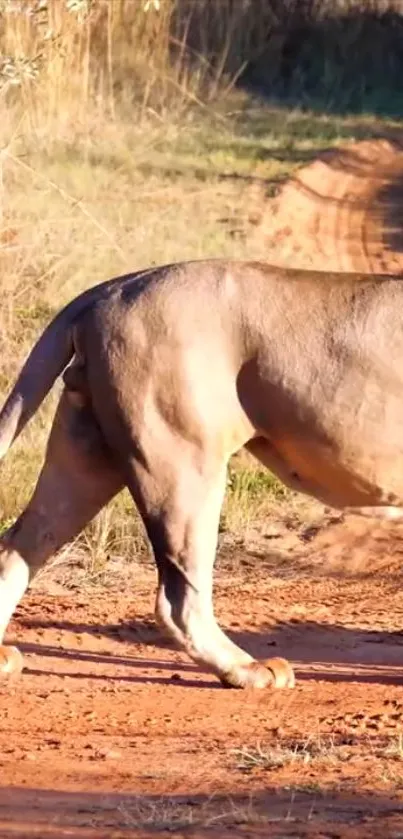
[(58, 56), (342, 57)]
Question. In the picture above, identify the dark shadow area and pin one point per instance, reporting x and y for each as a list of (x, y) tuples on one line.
[(325, 652), (391, 202), (272, 811), (329, 652), (327, 56), (332, 60), (176, 673), (133, 680), (259, 118)]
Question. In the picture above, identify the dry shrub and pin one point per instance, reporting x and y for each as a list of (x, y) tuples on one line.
[(67, 58)]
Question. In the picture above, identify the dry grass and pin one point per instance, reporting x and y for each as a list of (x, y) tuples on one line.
[(272, 757), (106, 154), (163, 54), (170, 814), (323, 762)]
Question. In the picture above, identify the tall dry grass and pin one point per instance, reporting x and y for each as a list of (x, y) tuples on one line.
[(63, 60)]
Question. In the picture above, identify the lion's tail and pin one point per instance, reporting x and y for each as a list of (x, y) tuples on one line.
[(45, 363)]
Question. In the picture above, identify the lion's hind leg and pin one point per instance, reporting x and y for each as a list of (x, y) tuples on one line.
[(77, 479)]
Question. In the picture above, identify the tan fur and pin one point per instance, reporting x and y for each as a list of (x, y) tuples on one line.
[(174, 370)]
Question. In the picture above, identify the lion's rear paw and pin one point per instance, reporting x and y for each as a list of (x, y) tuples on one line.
[(11, 662), (282, 671), (272, 672)]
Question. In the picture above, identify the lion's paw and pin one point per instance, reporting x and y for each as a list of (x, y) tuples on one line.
[(272, 672), (283, 674)]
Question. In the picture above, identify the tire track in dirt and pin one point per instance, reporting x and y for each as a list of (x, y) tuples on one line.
[(343, 212), (110, 728)]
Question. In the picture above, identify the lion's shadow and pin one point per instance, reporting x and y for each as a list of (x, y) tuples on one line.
[(326, 652)]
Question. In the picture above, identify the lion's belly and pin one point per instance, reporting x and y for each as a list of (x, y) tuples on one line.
[(341, 477), (332, 424), (350, 458)]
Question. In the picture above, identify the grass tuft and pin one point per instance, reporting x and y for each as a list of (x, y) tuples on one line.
[(268, 757)]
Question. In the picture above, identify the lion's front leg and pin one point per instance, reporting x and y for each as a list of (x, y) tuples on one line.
[(180, 495)]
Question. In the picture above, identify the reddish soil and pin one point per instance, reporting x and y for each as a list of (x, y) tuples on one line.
[(342, 212), (111, 733)]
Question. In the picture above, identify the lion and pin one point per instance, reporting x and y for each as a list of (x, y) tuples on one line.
[(170, 371)]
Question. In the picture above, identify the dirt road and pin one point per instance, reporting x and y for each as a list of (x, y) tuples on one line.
[(111, 733), (340, 213)]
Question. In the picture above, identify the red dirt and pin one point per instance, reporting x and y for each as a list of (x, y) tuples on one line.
[(342, 212), (111, 733)]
